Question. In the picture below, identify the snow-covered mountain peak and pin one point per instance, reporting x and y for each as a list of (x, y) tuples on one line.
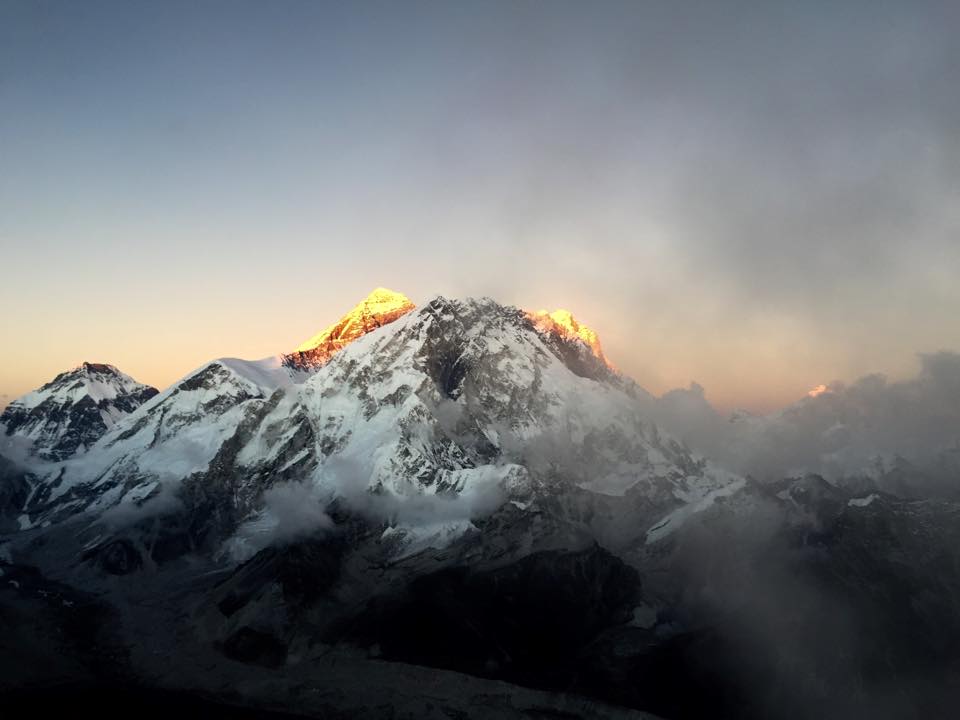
[(71, 412), (380, 307), (563, 324), (98, 381)]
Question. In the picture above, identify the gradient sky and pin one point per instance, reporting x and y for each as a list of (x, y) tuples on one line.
[(757, 196)]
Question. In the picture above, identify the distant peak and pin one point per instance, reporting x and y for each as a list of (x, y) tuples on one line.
[(90, 372), (818, 391), (90, 367), (380, 307), (562, 322), (385, 295)]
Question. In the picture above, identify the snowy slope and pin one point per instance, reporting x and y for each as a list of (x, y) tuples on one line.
[(175, 434)]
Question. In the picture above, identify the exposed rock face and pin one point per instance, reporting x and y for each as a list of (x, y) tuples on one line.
[(69, 414), (15, 487), (379, 308), (526, 621)]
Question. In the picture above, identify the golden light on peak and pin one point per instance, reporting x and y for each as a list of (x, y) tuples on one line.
[(563, 323), (818, 390), (379, 308)]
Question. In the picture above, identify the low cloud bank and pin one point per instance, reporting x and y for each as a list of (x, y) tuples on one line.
[(294, 510), (904, 434), (474, 500)]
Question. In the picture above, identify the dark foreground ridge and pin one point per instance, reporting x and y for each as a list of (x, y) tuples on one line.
[(118, 702)]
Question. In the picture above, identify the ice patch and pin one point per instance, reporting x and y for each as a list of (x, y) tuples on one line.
[(862, 502)]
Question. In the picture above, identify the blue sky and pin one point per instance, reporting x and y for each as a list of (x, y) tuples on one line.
[(756, 196)]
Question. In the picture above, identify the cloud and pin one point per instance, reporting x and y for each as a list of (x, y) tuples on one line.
[(769, 599), (164, 500), (871, 426), (291, 510), (294, 510), (476, 499)]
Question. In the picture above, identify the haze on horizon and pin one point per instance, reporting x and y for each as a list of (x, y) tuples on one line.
[(760, 197)]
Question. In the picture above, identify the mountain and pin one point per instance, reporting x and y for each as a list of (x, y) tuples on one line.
[(463, 509), (181, 431), (456, 399), (71, 412)]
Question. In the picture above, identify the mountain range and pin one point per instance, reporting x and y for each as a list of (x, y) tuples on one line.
[(464, 509)]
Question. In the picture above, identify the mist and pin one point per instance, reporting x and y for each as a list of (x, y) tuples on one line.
[(792, 634), (291, 511), (904, 434), (349, 482)]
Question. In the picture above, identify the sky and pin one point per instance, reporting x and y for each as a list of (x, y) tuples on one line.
[(757, 196)]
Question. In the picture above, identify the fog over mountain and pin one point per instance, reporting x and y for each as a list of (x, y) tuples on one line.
[(870, 427)]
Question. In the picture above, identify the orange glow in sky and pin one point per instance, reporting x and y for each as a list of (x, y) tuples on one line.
[(186, 184)]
